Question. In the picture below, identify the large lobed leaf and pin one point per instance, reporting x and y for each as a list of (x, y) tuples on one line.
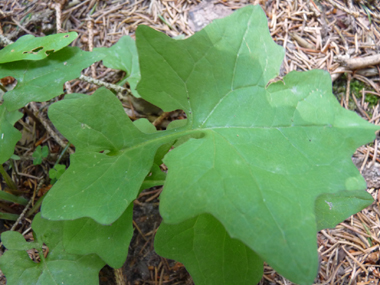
[(267, 153), (270, 163)]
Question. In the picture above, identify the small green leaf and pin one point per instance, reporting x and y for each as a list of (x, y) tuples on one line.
[(45, 151), (59, 267), (56, 172), (145, 126), (42, 80), (123, 56), (9, 135), (40, 154), (109, 242), (30, 48), (15, 157), (210, 255)]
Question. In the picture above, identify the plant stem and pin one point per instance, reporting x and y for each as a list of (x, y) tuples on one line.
[(3, 88), (36, 206)]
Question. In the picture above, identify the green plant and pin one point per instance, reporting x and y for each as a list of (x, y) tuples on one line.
[(39, 154), (56, 172), (256, 170)]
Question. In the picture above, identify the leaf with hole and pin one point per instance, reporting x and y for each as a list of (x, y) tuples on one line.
[(29, 47)]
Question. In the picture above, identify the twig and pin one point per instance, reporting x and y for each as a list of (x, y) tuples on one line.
[(364, 114), (58, 16), (27, 206), (48, 128), (98, 82), (161, 118), (340, 7), (22, 28), (358, 63), (90, 27), (4, 41), (302, 42)]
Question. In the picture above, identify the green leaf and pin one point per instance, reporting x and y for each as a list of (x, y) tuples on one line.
[(123, 56), (156, 177), (145, 126), (13, 198), (333, 208), (256, 156), (14, 240), (85, 236), (56, 172), (44, 79), (30, 48), (9, 135), (59, 267), (209, 254), (266, 153), (39, 154), (102, 179)]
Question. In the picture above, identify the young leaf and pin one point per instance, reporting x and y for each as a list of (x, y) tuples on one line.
[(85, 236), (58, 267), (9, 135), (44, 79), (123, 56), (209, 254), (266, 153), (56, 172), (40, 154), (30, 48)]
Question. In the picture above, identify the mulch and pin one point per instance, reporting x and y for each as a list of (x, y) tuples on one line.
[(340, 37)]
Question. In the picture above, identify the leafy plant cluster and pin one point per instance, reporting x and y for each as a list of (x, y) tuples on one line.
[(255, 170)]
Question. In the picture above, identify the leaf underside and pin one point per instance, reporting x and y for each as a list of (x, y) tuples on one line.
[(260, 159)]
